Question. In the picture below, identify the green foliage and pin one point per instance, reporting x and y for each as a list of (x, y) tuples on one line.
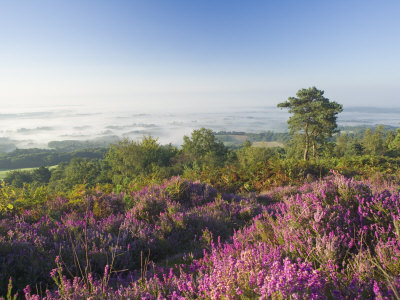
[(13, 199), (18, 178), (373, 141), (203, 148), (394, 144), (130, 159), (34, 158), (314, 117), (73, 145), (249, 155), (295, 148), (41, 175), (347, 145), (77, 171)]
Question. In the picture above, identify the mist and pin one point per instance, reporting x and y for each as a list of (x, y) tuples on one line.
[(36, 126)]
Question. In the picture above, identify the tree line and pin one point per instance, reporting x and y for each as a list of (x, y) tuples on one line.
[(314, 139)]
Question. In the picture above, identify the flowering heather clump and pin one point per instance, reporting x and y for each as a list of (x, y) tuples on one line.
[(333, 239), (89, 233), (344, 229)]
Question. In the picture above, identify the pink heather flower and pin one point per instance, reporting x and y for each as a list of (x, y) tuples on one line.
[(27, 291), (53, 272), (106, 269), (239, 291), (377, 290)]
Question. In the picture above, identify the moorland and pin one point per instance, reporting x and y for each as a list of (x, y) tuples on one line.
[(314, 215)]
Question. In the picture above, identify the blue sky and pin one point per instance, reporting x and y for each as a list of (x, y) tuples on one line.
[(198, 53)]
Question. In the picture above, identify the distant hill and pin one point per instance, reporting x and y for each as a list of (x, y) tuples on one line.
[(72, 145), (370, 109)]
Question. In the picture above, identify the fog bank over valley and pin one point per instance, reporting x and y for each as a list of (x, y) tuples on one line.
[(36, 126)]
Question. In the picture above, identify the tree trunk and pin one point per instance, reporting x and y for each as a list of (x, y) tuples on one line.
[(306, 149), (314, 150), (307, 142)]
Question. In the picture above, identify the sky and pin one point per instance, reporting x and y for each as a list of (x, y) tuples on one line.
[(197, 54)]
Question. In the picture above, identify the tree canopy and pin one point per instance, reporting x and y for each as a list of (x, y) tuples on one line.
[(314, 117), (203, 148), (129, 159)]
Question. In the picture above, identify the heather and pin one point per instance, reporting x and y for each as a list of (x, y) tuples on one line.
[(336, 238), (160, 223), (204, 222)]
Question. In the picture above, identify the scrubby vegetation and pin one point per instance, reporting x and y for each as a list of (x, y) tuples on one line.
[(131, 165)]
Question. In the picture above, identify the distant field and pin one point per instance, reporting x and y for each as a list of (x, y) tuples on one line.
[(3, 173), (238, 138), (263, 139), (267, 144)]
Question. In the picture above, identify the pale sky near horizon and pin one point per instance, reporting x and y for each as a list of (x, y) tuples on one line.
[(195, 54)]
